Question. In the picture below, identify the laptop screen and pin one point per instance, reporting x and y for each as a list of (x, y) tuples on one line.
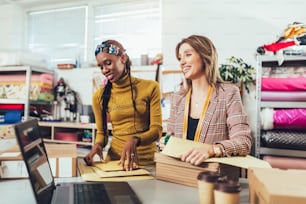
[(35, 157)]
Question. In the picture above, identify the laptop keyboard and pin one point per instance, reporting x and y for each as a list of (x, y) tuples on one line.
[(90, 193)]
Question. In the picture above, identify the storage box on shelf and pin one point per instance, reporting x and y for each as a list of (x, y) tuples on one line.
[(294, 101)]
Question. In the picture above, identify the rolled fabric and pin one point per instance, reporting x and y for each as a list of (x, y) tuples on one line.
[(283, 84), (45, 78), (284, 139), (283, 96), (285, 162), (294, 118), (289, 118), (266, 115)]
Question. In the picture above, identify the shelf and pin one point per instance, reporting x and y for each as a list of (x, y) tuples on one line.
[(282, 152), (25, 68), (282, 104), (27, 71), (23, 101), (68, 142), (267, 62), (68, 125), (273, 58), (50, 129), (13, 101)]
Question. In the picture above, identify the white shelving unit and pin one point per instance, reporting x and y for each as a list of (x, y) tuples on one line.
[(261, 64), (28, 71), (49, 130)]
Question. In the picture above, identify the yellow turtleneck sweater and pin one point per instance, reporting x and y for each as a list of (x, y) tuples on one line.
[(146, 123)]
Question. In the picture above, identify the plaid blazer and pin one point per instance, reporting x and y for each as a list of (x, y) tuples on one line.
[(225, 121)]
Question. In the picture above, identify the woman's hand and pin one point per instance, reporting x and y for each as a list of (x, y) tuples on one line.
[(96, 149), (197, 155), (129, 153)]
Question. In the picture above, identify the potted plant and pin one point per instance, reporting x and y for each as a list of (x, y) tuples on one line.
[(238, 72)]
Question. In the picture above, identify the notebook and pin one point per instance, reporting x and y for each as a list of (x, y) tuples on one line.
[(45, 190)]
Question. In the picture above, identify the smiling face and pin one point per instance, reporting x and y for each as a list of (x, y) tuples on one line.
[(112, 66), (190, 61)]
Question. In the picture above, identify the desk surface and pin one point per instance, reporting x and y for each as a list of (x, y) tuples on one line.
[(149, 191)]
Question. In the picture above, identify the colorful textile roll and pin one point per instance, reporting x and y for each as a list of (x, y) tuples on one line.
[(290, 118), (283, 84), (285, 162), (284, 139), (283, 96)]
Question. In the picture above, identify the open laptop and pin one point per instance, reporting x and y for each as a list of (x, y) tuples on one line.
[(35, 157)]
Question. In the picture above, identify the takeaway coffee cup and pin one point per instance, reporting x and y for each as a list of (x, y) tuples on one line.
[(227, 192), (206, 185)]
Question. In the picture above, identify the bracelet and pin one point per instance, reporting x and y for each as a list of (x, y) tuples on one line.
[(217, 151), (138, 140), (223, 153)]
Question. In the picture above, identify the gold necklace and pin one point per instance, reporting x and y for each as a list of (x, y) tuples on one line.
[(203, 112)]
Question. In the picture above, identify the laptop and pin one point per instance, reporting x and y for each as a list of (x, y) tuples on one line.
[(46, 191)]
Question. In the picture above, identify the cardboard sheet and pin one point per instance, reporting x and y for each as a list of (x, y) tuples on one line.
[(89, 173), (109, 166), (176, 146), (121, 173)]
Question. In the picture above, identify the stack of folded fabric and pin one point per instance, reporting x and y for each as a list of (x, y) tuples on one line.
[(14, 87), (284, 128), (291, 42)]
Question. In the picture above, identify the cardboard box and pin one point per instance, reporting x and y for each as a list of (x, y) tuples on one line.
[(173, 170), (276, 186), (62, 158)]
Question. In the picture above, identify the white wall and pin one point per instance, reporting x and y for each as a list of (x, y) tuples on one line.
[(11, 27), (237, 27)]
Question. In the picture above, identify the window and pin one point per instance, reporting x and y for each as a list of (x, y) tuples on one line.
[(137, 25), (59, 34)]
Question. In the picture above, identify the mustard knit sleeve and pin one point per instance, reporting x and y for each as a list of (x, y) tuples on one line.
[(97, 110), (155, 131)]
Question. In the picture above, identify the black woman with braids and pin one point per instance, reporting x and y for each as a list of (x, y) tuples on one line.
[(134, 110)]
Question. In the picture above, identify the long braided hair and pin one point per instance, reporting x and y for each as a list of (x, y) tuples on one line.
[(115, 48)]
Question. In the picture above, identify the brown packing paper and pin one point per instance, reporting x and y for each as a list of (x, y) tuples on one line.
[(176, 146), (174, 170), (113, 169), (89, 173), (109, 166)]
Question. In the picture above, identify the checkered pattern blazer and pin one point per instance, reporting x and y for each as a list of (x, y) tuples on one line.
[(225, 121)]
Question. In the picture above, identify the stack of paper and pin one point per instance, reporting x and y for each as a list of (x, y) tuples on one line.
[(111, 171), (168, 162), (174, 170)]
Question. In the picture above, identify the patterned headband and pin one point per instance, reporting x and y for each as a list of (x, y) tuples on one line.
[(109, 48)]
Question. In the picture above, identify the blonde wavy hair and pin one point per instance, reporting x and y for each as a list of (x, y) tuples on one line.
[(207, 51)]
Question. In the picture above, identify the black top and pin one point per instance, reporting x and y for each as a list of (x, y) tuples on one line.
[(192, 126)]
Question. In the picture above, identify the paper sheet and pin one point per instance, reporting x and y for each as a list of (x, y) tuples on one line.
[(88, 173), (121, 173), (109, 166), (176, 146)]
